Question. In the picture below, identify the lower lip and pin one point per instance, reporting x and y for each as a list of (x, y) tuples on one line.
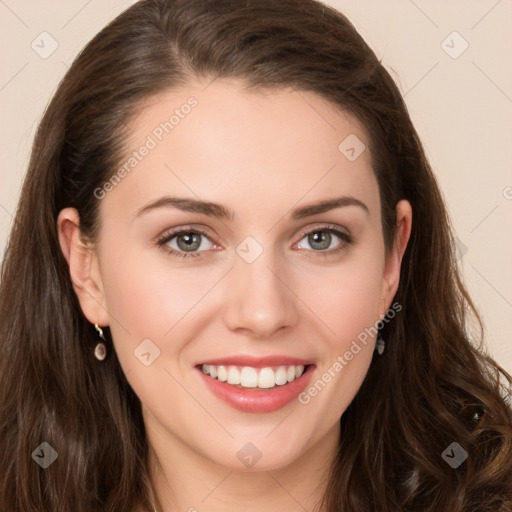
[(255, 399)]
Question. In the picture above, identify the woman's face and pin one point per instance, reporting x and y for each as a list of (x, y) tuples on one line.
[(277, 277)]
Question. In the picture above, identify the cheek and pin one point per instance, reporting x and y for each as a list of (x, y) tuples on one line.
[(347, 301), (346, 298), (149, 296), (349, 310), (150, 299)]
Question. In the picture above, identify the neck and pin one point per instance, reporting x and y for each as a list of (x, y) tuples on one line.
[(201, 484)]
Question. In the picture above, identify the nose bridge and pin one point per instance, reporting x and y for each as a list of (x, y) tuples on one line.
[(259, 301)]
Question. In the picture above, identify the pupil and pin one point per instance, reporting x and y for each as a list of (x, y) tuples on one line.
[(323, 238), (188, 241)]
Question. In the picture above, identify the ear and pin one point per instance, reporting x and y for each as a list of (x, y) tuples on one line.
[(393, 263), (83, 267)]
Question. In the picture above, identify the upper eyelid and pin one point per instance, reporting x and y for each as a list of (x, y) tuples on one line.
[(327, 227), (168, 235)]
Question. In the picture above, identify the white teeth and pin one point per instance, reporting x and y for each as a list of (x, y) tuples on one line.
[(233, 375), (266, 378), (222, 374), (249, 377), (281, 376)]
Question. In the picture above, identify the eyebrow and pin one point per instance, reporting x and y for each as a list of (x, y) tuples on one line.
[(221, 212)]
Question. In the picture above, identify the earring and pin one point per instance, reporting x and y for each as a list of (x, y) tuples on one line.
[(100, 352), (380, 345)]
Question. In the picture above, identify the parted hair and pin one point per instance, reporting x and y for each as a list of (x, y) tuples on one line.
[(434, 385)]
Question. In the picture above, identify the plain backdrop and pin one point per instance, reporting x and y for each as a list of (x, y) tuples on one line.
[(451, 60)]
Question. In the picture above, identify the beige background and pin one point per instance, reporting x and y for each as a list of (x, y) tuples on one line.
[(460, 101)]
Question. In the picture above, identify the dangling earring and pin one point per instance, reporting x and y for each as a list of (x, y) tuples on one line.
[(380, 345), (100, 352)]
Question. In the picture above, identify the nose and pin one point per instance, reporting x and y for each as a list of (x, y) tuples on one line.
[(260, 298)]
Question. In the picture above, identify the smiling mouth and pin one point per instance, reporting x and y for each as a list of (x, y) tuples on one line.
[(244, 377)]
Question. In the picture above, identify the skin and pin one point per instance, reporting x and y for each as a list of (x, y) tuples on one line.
[(261, 154)]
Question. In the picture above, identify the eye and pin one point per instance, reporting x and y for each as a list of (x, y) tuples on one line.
[(321, 239), (190, 242), (185, 242)]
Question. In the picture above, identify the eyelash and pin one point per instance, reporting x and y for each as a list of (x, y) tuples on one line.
[(167, 237)]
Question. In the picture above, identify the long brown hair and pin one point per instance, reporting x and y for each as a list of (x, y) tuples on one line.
[(432, 387)]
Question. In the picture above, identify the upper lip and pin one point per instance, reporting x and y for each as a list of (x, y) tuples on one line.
[(257, 362)]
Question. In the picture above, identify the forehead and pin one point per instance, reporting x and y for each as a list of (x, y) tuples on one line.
[(220, 142)]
